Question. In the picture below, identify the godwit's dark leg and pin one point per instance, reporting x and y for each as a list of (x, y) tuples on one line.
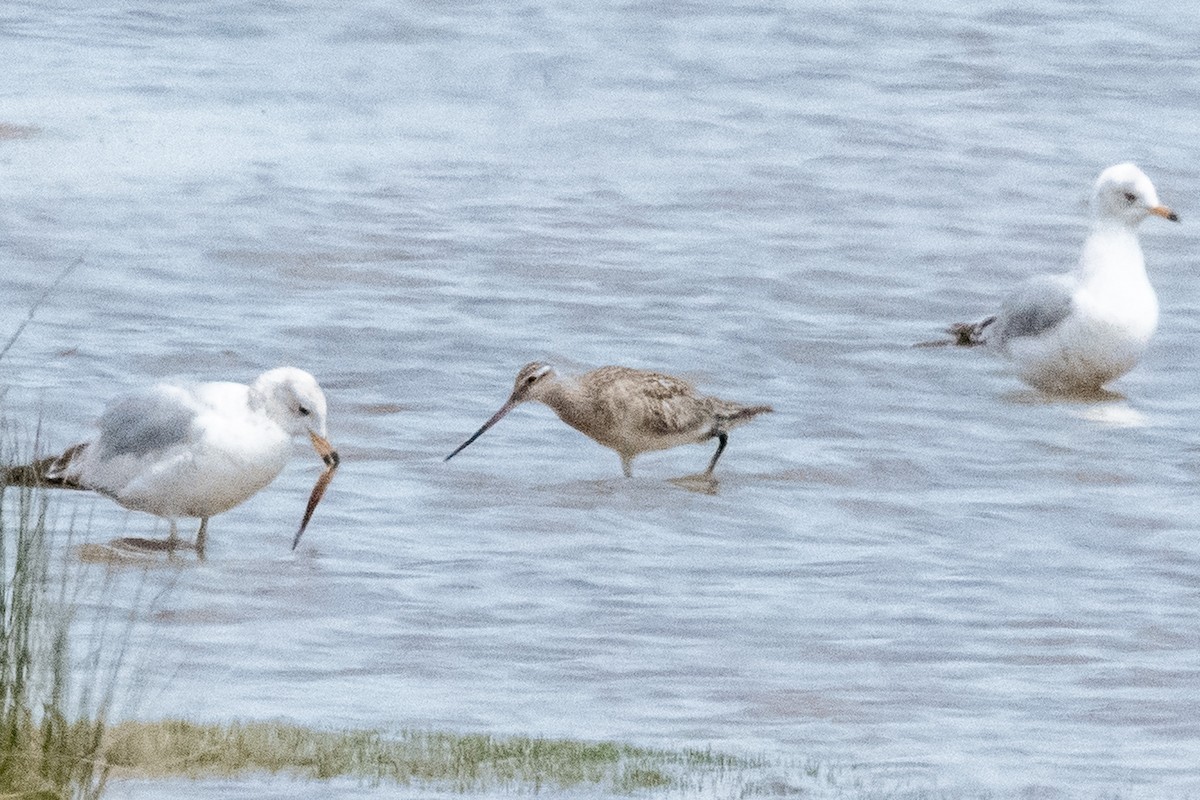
[(722, 439), (202, 537), (627, 466)]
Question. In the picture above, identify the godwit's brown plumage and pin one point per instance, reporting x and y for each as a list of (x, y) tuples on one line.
[(632, 411)]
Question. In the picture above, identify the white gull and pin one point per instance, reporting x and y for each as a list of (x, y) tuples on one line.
[(192, 450), (1074, 332)]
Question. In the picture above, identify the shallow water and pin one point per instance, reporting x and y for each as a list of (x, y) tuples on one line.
[(914, 565)]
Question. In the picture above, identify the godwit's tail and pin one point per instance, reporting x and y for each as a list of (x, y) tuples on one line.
[(733, 414)]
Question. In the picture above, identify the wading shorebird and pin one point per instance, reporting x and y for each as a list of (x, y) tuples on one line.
[(632, 411), (1074, 332), (193, 450)]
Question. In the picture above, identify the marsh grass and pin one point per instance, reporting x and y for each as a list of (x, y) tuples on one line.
[(54, 701), (41, 298), (45, 750), (463, 763)]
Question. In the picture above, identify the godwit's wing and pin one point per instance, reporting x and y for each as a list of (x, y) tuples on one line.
[(650, 403)]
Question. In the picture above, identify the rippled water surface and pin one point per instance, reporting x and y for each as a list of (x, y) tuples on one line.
[(914, 566)]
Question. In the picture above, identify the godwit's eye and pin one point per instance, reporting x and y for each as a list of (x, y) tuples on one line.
[(304, 412), (1130, 197)]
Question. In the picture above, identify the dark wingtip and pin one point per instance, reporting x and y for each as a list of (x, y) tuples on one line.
[(969, 334), (44, 472), (963, 334)]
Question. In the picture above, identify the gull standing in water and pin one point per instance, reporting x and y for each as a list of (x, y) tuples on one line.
[(192, 450), (632, 411), (1074, 332)]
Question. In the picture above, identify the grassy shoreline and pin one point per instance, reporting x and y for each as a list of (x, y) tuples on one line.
[(463, 763)]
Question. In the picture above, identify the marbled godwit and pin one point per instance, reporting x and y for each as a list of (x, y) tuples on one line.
[(193, 450), (632, 411), (1074, 332)]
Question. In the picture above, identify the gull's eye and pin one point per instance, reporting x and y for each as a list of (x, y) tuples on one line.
[(1130, 198), (303, 411)]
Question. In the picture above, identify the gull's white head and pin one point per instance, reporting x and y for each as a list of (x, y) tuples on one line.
[(1124, 193), (292, 398)]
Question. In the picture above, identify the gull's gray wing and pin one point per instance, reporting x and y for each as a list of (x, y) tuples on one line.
[(145, 422), (1038, 306)]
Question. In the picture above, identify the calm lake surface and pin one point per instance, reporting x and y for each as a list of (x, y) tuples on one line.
[(914, 567)]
